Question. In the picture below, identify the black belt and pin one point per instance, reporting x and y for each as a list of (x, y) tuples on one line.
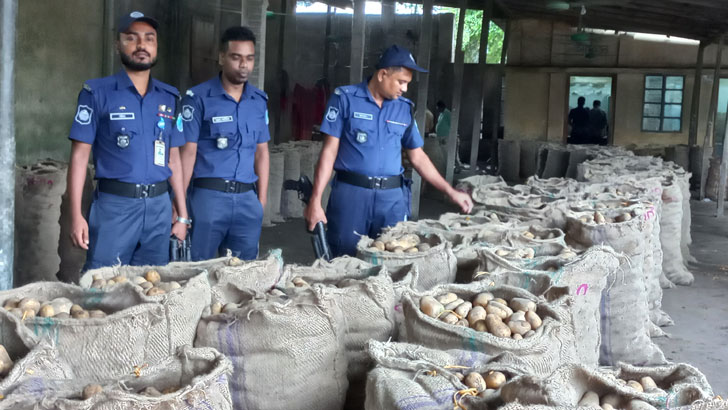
[(352, 178), (131, 190), (222, 185)]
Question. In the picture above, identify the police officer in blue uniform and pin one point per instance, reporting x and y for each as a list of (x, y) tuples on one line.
[(367, 125), (226, 129), (128, 121)]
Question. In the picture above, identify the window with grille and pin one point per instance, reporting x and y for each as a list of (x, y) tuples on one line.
[(662, 105)]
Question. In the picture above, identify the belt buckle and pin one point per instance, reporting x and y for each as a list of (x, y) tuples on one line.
[(145, 190), (229, 186), (378, 182)]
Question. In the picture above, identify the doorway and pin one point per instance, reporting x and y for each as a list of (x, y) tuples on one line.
[(592, 88)]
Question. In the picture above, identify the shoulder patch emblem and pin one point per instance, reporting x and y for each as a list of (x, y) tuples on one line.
[(87, 87), (190, 93), (84, 114), (332, 114), (337, 91), (187, 112)]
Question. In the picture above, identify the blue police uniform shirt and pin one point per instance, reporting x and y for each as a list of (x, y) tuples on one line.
[(227, 132), (371, 139), (123, 126)]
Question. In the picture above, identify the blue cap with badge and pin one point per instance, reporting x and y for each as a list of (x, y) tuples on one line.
[(396, 56), (128, 19)]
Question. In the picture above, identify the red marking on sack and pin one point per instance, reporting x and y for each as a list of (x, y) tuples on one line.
[(584, 286)]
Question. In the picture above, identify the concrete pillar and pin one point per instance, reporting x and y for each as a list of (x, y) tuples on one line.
[(7, 141), (109, 53), (695, 104), (287, 52), (423, 60), (712, 114), (358, 37), (387, 20), (457, 93), (253, 15), (327, 44), (478, 107), (723, 175)]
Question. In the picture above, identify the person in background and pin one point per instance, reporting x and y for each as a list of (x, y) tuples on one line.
[(598, 125), (579, 123), (442, 127)]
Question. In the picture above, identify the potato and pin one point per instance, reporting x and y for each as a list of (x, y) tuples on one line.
[(528, 235), (46, 311), (501, 301), (75, 308), (482, 299), (423, 247), (119, 279), (29, 304), (61, 305), (648, 383), (624, 218), (517, 315), (6, 363), (235, 261), (533, 319), (277, 292), (522, 304), (494, 380), (372, 249), (28, 314), (551, 235), (495, 308), (97, 276), (502, 252), (146, 285), (229, 307), (528, 334), (463, 309), (463, 322), (583, 219), (96, 314), (477, 313), (612, 400), (152, 276), (567, 254), (635, 385), (169, 286), (300, 283), (390, 245), (11, 303), (454, 304), (216, 308), (519, 326), (606, 406), (497, 327), (98, 284), (398, 249), (378, 245), (516, 336), (155, 291), (431, 307), (91, 390), (138, 280), (475, 381), (460, 376), (640, 405), (449, 318), (525, 253), (447, 298), (589, 399), (80, 314), (479, 326), (150, 392), (599, 218), (169, 390), (411, 250)]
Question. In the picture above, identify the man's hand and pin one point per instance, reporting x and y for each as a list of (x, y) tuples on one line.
[(462, 200), (179, 230), (79, 232), (263, 202), (314, 214)]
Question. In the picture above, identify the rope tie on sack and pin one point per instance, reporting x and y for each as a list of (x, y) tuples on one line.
[(137, 370), (460, 395)]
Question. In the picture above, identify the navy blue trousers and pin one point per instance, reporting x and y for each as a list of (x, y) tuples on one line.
[(223, 220), (129, 231)]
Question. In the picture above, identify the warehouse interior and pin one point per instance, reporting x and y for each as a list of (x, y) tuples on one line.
[(621, 246)]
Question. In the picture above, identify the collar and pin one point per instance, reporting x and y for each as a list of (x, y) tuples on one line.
[(216, 88), (123, 81)]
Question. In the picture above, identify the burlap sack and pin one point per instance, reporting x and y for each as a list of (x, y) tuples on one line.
[(470, 183), (138, 330), (435, 266), (673, 263), (198, 378), (553, 186), (625, 324), (287, 351), (585, 276), (541, 353), (521, 202), (567, 385), (411, 376)]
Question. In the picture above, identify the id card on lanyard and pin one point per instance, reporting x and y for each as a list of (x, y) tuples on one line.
[(159, 146)]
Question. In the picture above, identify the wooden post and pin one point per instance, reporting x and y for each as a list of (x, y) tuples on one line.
[(723, 175), (358, 26), (423, 60), (452, 138), (695, 105), (499, 108), (482, 69), (712, 114)]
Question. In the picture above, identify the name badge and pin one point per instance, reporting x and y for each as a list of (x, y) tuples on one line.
[(159, 153), (216, 120), (116, 116), (363, 116)]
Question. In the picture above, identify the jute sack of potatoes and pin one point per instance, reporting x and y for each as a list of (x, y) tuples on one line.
[(303, 350), (585, 276), (191, 378), (100, 334), (521, 202), (412, 376), (470, 183), (183, 292), (431, 254), (625, 324), (531, 333), (553, 186), (575, 385)]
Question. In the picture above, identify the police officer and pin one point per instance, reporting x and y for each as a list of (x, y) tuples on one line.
[(367, 125), (127, 120), (226, 129)]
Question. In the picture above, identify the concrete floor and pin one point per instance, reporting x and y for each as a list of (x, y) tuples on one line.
[(700, 312)]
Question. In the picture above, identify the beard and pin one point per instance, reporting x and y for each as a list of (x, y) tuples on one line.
[(132, 65), (236, 78)]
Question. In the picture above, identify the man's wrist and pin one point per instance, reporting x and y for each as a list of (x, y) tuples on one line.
[(183, 220)]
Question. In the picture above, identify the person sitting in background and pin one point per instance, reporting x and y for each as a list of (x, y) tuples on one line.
[(442, 129)]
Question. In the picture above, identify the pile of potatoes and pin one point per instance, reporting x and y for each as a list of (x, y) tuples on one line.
[(599, 219), (515, 319), (614, 401), (94, 389), (407, 243), (218, 307), (151, 283), (59, 308), (534, 236), (486, 384)]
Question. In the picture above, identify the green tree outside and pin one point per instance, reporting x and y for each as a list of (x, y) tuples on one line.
[(471, 36)]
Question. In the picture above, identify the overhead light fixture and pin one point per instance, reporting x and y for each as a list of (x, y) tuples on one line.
[(557, 5)]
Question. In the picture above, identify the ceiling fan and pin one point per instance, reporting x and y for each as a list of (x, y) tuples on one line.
[(563, 5)]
